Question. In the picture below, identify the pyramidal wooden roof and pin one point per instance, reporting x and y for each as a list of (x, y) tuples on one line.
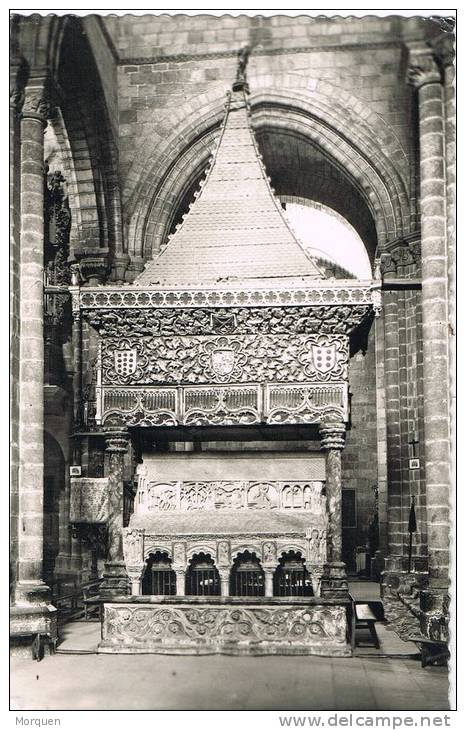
[(235, 232)]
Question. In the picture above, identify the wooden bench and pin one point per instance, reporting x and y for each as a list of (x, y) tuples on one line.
[(38, 642), (432, 652), (364, 618), (91, 603)]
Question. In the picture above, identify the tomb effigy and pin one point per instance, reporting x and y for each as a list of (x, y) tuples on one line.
[(231, 336)]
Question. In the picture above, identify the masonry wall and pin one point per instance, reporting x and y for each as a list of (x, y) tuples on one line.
[(359, 457), (168, 61)]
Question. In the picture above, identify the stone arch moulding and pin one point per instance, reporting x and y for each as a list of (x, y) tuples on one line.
[(152, 548), (370, 154), (208, 549)]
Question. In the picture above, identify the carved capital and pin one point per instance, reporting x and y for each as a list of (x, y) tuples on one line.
[(36, 105), (16, 99), (116, 442), (423, 68), (332, 435), (94, 268), (443, 47), (387, 264)]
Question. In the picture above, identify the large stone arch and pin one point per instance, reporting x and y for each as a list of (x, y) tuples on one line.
[(40, 45), (373, 158)]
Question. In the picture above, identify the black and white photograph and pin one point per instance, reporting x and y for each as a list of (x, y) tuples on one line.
[(232, 366)]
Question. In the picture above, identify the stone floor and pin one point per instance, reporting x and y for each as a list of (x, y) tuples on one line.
[(154, 682)]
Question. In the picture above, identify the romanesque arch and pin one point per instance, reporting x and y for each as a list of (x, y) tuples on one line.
[(371, 159)]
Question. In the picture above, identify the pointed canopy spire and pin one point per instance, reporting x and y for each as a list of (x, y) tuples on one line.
[(235, 231)]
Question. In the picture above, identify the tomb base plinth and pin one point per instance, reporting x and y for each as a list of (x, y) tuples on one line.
[(221, 625)]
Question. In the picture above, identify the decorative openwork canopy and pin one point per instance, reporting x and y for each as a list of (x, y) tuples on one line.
[(233, 322)]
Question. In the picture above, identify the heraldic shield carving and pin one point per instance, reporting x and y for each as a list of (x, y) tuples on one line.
[(223, 358), (324, 358), (126, 361)]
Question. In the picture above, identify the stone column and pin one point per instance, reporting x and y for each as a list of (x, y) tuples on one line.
[(31, 609), (224, 581), (333, 440), (268, 572), (115, 575), (30, 587), (76, 338), (425, 76), (180, 582)]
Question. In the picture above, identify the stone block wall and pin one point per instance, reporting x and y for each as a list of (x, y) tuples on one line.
[(170, 67), (359, 457)]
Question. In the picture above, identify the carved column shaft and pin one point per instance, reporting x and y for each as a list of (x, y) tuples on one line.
[(116, 447), (180, 582), (425, 76), (76, 337), (450, 149), (333, 441), (269, 572), (31, 375)]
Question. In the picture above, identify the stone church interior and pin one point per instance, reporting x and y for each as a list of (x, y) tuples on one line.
[(232, 353)]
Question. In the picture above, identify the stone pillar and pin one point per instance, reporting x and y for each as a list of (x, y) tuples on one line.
[(15, 317), (76, 338), (32, 596), (224, 581), (115, 575), (268, 572), (425, 76), (30, 587), (180, 582), (136, 588), (333, 440)]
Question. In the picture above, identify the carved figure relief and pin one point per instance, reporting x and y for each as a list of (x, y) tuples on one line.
[(162, 497), (133, 547), (317, 545), (262, 496), (179, 554), (223, 553), (303, 496), (269, 552), (230, 495)]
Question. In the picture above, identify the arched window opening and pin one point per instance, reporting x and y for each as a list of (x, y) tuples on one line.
[(327, 236), (202, 578), (291, 577), (159, 578), (247, 576)]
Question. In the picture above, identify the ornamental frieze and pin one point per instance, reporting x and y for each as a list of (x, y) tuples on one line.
[(347, 292), (341, 319), (155, 497), (250, 358), (295, 629)]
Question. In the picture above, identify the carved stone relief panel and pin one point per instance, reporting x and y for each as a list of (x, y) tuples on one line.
[(205, 405), (249, 358), (89, 499), (255, 629), (230, 495), (133, 547)]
